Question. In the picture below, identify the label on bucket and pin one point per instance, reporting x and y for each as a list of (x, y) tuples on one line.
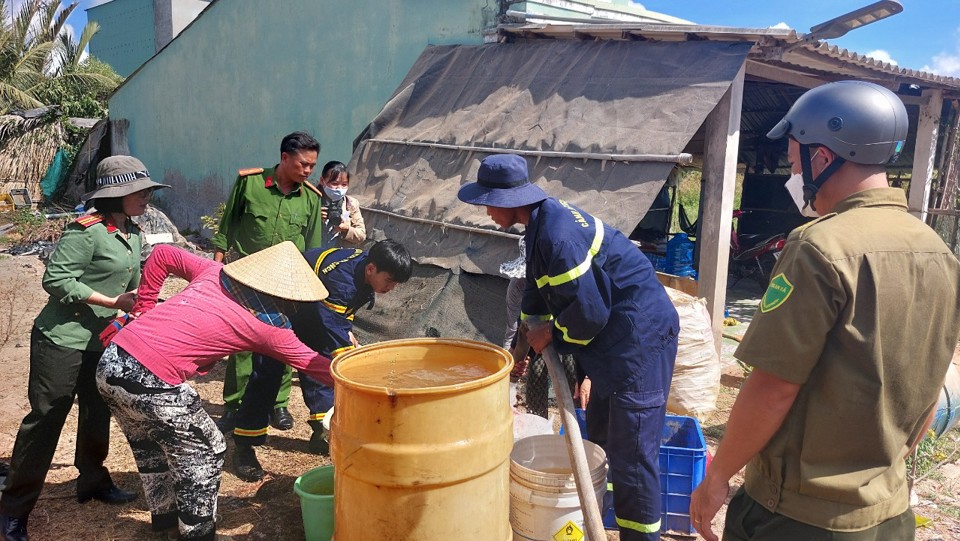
[(569, 532)]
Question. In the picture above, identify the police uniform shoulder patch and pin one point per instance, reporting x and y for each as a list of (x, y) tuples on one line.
[(88, 220), (251, 171), (777, 293)]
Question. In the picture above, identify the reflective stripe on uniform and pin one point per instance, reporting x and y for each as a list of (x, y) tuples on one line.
[(317, 416), (338, 351), (250, 433), (636, 526), (535, 317), (335, 307), (580, 269), (335, 264), (316, 266), (566, 336)]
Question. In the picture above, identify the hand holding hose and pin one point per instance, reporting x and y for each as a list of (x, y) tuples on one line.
[(538, 336)]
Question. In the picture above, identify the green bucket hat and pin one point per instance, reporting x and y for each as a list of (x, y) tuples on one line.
[(118, 176)]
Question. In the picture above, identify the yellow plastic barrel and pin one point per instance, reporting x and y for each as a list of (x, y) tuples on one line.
[(421, 441)]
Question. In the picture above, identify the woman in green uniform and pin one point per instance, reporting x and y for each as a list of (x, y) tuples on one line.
[(92, 274)]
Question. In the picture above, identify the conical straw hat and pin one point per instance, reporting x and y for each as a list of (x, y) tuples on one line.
[(280, 271)]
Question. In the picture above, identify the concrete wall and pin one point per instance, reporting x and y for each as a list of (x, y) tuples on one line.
[(126, 36), (221, 95), (131, 31)]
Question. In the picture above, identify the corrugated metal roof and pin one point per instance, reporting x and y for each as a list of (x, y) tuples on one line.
[(776, 47), (594, 10), (847, 55)]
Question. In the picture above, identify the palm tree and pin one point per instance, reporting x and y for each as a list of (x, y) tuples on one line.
[(41, 64)]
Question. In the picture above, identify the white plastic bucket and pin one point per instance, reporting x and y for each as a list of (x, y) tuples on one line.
[(543, 494)]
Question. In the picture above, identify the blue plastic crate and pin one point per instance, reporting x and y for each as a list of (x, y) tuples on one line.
[(683, 462)]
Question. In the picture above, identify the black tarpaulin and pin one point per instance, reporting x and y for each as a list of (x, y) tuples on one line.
[(602, 123)]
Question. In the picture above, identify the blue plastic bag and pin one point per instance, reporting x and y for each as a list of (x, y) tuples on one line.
[(680, 256), (581, 420)]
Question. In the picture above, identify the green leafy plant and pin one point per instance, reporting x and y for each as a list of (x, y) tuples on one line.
[(212, 222), (688, 196), (932, 452), (25, 221)]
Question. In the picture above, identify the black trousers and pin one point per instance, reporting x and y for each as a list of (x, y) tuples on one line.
[(747, 520), (57, 376), (266, 379)]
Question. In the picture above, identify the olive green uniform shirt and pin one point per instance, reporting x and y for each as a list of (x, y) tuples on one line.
[(92, 255), (863, 312), (258, 215)]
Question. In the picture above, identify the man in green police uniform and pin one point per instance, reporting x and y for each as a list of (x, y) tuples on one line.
[(850, 344), (267, 207)]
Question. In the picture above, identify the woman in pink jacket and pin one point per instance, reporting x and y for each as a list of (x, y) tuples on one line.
[(243, 306)]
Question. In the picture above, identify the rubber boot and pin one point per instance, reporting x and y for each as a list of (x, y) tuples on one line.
[(246, 465)]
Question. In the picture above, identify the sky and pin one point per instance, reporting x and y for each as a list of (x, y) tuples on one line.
[(925, 36)]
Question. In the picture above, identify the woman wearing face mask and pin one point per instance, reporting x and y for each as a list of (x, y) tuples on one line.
[(342, 222)]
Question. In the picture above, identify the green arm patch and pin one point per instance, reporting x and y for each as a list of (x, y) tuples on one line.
[(777, 293)]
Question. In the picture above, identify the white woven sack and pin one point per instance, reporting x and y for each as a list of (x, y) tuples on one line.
[(696, 375)]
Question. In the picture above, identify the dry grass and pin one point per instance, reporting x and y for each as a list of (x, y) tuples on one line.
[(270, 510), (26, 149), (12, 314)]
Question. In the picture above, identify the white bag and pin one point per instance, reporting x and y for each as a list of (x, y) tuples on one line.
[(696, 375)]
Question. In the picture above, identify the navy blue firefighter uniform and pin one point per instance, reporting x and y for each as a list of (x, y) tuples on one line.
[(609, 310), (323, 326)]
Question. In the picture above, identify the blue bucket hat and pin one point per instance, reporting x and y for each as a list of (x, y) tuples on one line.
[(502, 182)]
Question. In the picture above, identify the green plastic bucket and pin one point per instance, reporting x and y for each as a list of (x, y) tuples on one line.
[(315, 489)]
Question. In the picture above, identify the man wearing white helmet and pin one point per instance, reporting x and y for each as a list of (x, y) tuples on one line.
[(849, 346)]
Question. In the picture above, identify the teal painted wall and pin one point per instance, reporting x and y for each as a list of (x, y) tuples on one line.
[(222, 94), (126, 37)]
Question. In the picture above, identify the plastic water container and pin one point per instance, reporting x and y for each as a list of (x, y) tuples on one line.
[(315, 489), (421, 441), (544, 504)]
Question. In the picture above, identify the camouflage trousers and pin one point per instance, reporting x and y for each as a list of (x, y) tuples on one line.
[(178, 449)]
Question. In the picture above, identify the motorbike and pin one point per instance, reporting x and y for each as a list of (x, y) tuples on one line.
[(754, 256)]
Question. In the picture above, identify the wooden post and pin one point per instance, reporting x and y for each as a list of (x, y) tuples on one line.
[(925, 152), (716, 200)]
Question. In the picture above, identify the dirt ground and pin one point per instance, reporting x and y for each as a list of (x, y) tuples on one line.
[(270, 510)]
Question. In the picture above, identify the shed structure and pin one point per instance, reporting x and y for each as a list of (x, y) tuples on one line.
[(603, 113), (221, 95)]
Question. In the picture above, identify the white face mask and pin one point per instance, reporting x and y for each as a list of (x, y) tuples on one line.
[(335, 194), (794, 185)]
